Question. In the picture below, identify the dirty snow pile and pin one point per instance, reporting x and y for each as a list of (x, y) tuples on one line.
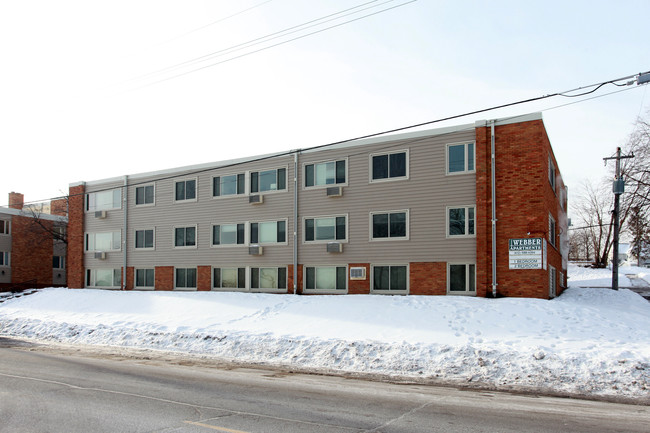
[(586, 342)]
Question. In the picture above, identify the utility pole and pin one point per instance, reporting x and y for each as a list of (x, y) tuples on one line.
[(618, 189)]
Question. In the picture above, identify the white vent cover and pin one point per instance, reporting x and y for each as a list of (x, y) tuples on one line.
[(357, 273)]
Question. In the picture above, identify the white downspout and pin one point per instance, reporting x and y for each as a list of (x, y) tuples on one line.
[(494, 213), (125, 207), (295, 222)]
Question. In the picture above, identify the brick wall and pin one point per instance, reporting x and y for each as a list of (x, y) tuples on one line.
[(359, 287), (75, 254), (299, 287), (31, 251), (164, 278), (204, 278), (524, 200), (59, 207), (428, 278), (16, 200)]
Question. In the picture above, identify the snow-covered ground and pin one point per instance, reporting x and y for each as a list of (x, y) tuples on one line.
[(589, 341)]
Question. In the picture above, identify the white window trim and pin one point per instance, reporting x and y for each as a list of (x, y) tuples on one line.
[(62, 259), (246, 236), (196, 237), (552, 181), (466, 235), (286, 233), (7, 228), (7, 259), (144, 186), (115, 287), (275, 191), (135, 278), (390, 292), (230, 289), (135, 248), (388, 179), (390, 239), (196, 190), (465, 171), (119, 248), (343, 241), (552, 239), (467, 292), (325, 161), (221, 196), (186, 289), (266, 290), (325, 292), (87, 195)]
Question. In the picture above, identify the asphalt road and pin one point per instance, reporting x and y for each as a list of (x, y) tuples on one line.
[(62, 390)]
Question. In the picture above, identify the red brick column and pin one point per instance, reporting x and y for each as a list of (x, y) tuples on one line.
[(290, 279), (359, 287), (483, 211), (75, 250), (130, 278), (428, 278), (164, 278), (204, 278)]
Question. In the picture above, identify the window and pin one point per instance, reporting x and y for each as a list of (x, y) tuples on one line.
[(268, 278), (228, 185), (562, 283), (104, 200), (103, 277), (185, 190), (4, 227), (325, 229), (389, 165), (58, 262), (551, 173), (145, 278), (552, 282), (185, 237), (461, 278), (326, 278), (144, 239), (269, 232), (325, 173), (185, 278), (229, 278), (144, 195), (389, 225), (105, 241), (4, 258), (228, 234), (460, 221), (551, 230), (460, 158), (390, 278), (268, 180)]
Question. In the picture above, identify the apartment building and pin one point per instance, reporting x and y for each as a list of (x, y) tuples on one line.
[(31, 251), (400, 214)]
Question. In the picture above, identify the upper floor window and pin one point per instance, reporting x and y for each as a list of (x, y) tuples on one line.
[(389, 165), (460, 158), (104, 241), (228, 234), (551, 173), (58, 262), (4, 258), (325, 228), (461, 221), (185, 190), (270, 232), (185, 237), (144, 195), (389, 225), (228, 185), (325, 173), (4, 227), (144, 239), (104, 200), (551, 230), (268, 180)]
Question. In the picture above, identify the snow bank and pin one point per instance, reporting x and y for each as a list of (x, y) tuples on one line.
[(588, 341)]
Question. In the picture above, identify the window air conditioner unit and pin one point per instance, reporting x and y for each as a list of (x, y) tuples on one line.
[(256, 199), (100, 255), (358, 273), (335, 191), (334, 247), (255, 250), (101, 214)]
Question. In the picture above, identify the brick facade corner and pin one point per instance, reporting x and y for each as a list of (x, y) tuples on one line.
[(75, 250)]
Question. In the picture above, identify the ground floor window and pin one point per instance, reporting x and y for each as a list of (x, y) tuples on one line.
[(393, 278), (552, 282), (103, 277), (185, 278), (145, 278), (268, 278), (326, 278), (461, 278), (229, 278)]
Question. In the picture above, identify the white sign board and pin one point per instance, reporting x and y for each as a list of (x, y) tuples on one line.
[(526, 253)]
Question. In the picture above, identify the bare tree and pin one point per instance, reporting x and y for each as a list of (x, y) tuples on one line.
[(594, 211), (48, 228)]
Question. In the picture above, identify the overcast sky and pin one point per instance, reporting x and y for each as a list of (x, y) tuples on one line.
[(90, 90)]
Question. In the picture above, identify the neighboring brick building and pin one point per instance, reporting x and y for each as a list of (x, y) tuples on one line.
[(401, 214), (29, 254)]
